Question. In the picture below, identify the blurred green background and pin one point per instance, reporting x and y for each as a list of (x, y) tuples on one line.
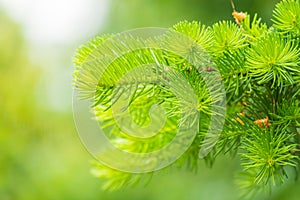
[(41, 156)]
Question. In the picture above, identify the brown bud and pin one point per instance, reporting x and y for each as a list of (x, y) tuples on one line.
[(239, 16)]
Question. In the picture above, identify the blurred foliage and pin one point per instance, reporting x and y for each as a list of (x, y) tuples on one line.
[(30, 167), (41, 156), (128, 14)]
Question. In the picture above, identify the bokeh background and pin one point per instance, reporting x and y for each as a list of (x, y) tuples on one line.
[(41, 156)]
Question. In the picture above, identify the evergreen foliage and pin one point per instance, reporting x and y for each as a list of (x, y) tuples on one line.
[(260, 67)]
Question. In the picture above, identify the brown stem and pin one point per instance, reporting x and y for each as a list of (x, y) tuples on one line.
[(232, 5)]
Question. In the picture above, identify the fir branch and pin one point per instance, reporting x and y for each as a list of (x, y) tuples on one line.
[(260, 70), (268, 151), (286, 17)]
